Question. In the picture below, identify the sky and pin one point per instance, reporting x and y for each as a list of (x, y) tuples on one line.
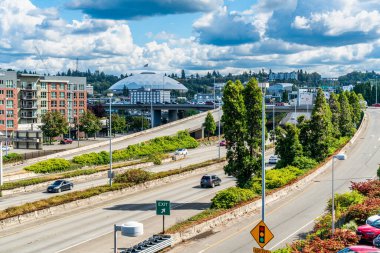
[(331, 37)]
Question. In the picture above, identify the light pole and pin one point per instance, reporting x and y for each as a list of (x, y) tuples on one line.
[(1, 163), (339, 157), (214, 94), (219, 127), (151, 105), (274, 118), (110, 133), (6, 126)]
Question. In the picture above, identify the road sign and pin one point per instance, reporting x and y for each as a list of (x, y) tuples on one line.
[(262, 234), (258, 250), (162, 207)]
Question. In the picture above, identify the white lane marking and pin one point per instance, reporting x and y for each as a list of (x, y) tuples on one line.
[(307, 224)]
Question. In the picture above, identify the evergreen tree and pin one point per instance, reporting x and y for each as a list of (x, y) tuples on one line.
[(335, 114), (305, 136), (345, 119), (321, 128), (288, 145), (54, 124), (89, 124), (125, 91), (285, 96), (183, 75), (209, 124), (354, 101), (234, 123)]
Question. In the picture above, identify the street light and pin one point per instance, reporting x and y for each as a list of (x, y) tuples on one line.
[(214, 93), (6, 126), (339, 157), (110, 133)]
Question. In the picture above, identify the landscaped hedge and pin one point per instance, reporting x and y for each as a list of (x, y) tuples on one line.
[(51, 165), (157, 145), (12, 157), (231, 197)]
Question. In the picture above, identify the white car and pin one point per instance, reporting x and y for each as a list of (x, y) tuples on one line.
[(6, 148), (181, 151), (372, 219), (273, 159)]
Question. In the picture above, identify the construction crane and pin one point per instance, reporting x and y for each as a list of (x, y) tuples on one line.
[(42, 60)]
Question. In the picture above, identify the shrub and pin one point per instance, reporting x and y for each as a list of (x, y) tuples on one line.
[(378, 172), (231, 197), (345, 200), (367, 188), (350, 225), (360, 212), (135, 176), (155, 158), (92, 158), (50, 165), (12, 157), (304, 163), (276, 178)]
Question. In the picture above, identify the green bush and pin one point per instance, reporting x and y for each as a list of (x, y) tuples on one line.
[(231, 197), (345, 200), (12, 157), (155, 158), (51, 165), (276, 178), (378, 172), (135, 176), (304, 163), (92, 158)]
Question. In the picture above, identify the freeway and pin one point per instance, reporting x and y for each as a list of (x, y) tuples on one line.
[(90, 230), (195, 156), (292, 217)]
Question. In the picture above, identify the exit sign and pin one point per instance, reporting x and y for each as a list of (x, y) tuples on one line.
[(162, 207)]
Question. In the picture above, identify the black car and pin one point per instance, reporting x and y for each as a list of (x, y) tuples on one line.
[(210, 181), (60, 185)]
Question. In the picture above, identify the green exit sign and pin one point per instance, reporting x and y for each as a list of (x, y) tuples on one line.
[(162, 207)]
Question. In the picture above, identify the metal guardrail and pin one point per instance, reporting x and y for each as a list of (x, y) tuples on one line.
[(153, 244)]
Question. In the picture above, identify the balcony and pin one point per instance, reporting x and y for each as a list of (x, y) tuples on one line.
[(29, 87), (29, 107), (28, 115), (29, 97)]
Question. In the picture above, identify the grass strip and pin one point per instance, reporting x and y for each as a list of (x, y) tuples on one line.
[(73, 196)]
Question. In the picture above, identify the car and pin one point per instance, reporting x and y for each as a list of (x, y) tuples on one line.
[(66, 141), (369, 232), (372, 219), (359, 249), (376, 241), (280, 104), (181, 151), (60, 185), (209, 103), (273, 159), (223, 143), (210, 181), (6, 148)]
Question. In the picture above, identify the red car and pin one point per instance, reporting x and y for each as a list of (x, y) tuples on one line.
[(222, 143), (66, 141), (369, 232), (359, 248)]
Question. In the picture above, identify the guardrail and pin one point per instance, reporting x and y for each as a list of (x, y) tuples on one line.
[(153, 244)]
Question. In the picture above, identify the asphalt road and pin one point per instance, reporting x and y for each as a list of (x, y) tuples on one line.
[(290, 218), (195, 156), (91, 230), (104, 146)]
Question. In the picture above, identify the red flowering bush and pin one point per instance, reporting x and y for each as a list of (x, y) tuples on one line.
[(360, 212), (367, 188)]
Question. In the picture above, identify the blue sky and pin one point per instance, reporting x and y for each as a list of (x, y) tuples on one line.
[(231, 36)]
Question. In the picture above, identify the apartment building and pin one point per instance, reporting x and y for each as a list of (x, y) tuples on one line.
[(8, 103)]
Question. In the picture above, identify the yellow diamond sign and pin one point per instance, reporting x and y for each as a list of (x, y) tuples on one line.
[(262, 234)]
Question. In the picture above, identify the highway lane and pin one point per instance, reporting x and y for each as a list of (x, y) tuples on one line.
[(293, 216), (104, 146), (195, 156), (95, 225)]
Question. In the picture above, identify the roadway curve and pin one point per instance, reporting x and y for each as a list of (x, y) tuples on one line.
[(293, 216)]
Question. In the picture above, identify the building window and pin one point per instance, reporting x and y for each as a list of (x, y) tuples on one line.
[(43, 86), (43, 103), (62, 86), (9, 103), (75, 111), (54, 95), (62, 103), (62, 111), (10, 113), (81, 95), (9, 123), (43, 94), (53, 103), (1, 92), (43, 111), (53, 86), (81, 103), (81, 111), (9, 93), (9, 84), (81, 86), (62, 95), (1, 122), (75, 103)]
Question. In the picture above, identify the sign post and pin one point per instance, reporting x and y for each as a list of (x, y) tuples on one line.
[(262, 236), (163, 208)]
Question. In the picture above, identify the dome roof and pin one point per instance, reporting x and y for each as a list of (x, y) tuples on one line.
[(148, 80)]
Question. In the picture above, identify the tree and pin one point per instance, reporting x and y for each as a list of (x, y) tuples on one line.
[(98, 110), (253, 105), (320, 128), (125, 91), (346, 125), (137, 123), (209, 124), (183, 75), (354, 101), (118, 123), (89, 124), (54, 124), (285, 96), (234, 123), (335, 114), (288, 145)]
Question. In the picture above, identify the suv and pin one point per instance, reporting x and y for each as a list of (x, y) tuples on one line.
[(181, 151), (210, 181), (273, 159), (66, 141)]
